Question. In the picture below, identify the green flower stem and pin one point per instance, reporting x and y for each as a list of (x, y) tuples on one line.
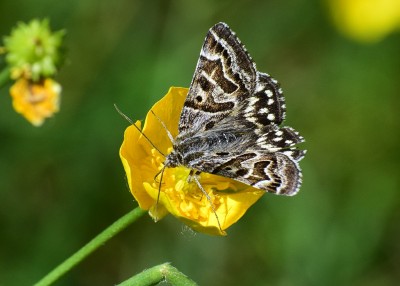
[(95, 243), (157, 274), (4, 76)]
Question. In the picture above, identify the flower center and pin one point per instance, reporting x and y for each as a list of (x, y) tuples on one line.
[(183, 193)]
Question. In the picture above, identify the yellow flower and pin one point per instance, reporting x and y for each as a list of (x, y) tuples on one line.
[(366, 20), (36, 101), (229, 200)]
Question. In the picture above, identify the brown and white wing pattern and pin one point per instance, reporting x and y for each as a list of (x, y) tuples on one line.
[(230, 120)]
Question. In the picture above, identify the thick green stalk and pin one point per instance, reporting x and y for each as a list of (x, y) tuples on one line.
[(157, 274)]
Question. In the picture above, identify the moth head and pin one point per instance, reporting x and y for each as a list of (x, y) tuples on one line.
[(174, 159)]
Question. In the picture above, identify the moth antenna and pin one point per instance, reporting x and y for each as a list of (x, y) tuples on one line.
[(208, 199), (138, 129), (159, 192), (171, 138), (123, 114)]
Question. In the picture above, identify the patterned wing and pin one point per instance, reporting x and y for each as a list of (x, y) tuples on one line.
[(225, 76), (266, 105), (225, 84), (277, 172), (270, 163)]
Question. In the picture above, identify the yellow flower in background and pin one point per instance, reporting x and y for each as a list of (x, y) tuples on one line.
[(366, 20), (33, 56), (36, 101), (178, 195)]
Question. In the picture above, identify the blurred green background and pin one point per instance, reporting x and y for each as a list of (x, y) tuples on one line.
[(63, 183)]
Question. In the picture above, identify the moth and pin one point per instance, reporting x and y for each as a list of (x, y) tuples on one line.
[(229, 125)]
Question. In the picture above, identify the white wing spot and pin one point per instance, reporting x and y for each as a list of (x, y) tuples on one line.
[(276, 139), (252, 119), (259, 87), (259, 140), (253, 101), (288, 153), (268, 93), (270, 101), (263, 110), (288, 141), (271, 117), (248, 109), (279, 133), (269, 147)]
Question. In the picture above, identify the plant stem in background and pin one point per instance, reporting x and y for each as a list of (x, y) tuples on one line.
[(95, 243), (4, 77)]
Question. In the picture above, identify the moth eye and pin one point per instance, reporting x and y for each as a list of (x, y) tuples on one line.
[(199, 98), (223, 154), (228, 169)]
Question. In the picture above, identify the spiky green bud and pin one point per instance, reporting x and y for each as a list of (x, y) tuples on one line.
[(33, 50)]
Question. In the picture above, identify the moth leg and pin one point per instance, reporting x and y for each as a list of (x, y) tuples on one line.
[(158, 173), (192, 174), (208, 199), (159, 192)]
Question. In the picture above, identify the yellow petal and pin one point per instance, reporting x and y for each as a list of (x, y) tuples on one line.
[(132, 154), (168, 109)]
